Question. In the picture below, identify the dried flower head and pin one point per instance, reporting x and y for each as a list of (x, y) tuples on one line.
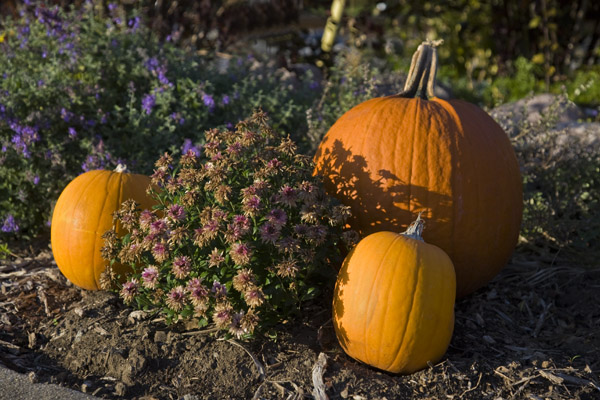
[(176, 298)]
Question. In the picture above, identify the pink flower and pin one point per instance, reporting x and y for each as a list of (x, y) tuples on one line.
[(243, 279), (222, 315), (176, 212), (269, 232), (129, 290), (146, 218), (287, 196), (287, 269), (159, 226), (150, 277), (240, 253), (176, 298), (160, 252), (181, 266), (251, 205), (198, 293), (215, 258), (274, 164), (254, 296), (277, 217), (235, 328)]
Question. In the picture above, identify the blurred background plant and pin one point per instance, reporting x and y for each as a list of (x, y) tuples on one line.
[(129, 79)]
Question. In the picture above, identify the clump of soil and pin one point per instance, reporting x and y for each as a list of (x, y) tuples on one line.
[(533, 333)]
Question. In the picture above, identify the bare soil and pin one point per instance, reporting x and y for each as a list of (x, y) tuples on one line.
[(532, 333)]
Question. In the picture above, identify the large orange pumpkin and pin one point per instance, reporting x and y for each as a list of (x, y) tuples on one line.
[(392, 157), (393, 304), (83, 212)]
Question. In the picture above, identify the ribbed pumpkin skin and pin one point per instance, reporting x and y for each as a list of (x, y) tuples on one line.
[(83, 213), (391, 157), (393, 304)]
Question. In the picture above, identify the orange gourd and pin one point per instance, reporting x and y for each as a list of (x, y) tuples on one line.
[(392, 157), (83, 213), (393, 304)]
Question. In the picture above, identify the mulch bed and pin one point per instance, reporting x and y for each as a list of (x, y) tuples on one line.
[(532, 333)]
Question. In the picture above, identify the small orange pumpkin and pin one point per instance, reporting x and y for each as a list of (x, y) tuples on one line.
[(83, 213), (393, 305), (392, 157)]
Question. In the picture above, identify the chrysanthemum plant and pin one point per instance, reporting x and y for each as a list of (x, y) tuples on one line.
[(243, 233)]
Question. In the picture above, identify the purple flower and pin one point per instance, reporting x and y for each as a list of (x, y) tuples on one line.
[(208, 101), (72, 132), (36, 179), (112, 6), (148, 102), (225, 100), (188, 145), (218, 289), (66, 114), (10, 225), (134, 24)]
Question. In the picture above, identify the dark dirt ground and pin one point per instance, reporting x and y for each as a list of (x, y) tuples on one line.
[(532, 333)]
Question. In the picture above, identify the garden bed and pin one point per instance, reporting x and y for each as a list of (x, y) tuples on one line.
[(532, 333)]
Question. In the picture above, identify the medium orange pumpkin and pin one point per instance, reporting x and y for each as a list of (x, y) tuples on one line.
[(392, 157), (393, 304), (83, 213)]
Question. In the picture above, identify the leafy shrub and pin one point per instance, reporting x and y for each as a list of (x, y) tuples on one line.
[(352, 80), (242, 236), (83, 90), (561, 170)]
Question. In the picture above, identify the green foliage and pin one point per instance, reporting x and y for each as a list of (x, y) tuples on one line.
[(351, 81), (84, 90), (561, 177), (243, 233)]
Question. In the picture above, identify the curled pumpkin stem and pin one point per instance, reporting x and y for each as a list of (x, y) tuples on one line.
[(415, 229), (422, 72)]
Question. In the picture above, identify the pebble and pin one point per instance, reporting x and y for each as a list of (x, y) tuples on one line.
[(86, 386), (160, 336), (120, 389)]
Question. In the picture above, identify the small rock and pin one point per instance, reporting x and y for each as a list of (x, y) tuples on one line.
[(33, 377), (344, 393), (136, 315), (120, 389), (160, 336), (86, 386), (488, 339), (79, 311)]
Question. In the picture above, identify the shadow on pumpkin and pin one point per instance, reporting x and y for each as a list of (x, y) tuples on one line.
[(385, 203)]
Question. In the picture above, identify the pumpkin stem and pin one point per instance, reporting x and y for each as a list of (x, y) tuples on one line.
[(423, 69), (415, 229), (121, 168)]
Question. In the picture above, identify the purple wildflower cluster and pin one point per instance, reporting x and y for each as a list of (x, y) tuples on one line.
[(241, 227)]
